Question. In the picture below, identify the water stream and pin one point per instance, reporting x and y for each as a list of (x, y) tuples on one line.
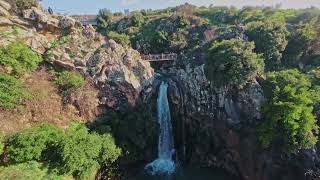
[(164, 164)]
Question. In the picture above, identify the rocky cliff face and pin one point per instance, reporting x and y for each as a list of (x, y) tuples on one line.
[(216, 127), (118, 72)]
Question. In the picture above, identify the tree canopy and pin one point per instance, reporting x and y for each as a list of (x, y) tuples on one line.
[(289, 123), (233, 63), (270, 39)]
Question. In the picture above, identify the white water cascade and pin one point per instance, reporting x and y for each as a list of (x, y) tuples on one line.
[(163, 165)]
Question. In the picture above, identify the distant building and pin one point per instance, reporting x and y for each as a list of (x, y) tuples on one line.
[(185, 9)]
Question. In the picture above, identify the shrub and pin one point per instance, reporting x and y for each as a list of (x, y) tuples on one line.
[(81, 152), (18, 59), (31, 144), (178, 41), (12, 91), (30, 170), (299, 44), (74, 151), (289, 123), (137, 19), (104, 20), (69, 80), (122, 39), (26, 4), (270, 38), (232, 63)]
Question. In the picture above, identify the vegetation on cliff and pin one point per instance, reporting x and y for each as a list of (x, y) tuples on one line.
[(75, 151), (233, 63), (16, 59), (290, 124)]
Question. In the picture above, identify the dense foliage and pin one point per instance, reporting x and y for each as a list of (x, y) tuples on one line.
[(233, 63), (135, 130), (30, 170), (81, 153), (289, 120), (104, 20), (122, 39), (69, 80), (26, 4), (270, 38), (17, 59), (31, 144), (73, 152), (12, 91)]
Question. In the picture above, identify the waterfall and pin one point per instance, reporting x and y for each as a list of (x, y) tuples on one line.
[(164, 163)]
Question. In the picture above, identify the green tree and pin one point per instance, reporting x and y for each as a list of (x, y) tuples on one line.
[(178, 41), (137, 19), (18, 59), (81, 152), (104, 20), (30, 170), (299, 43), (25, 4), (233, 63), (289, 121), (74, 151), (270, 38), (12, 91), (31, 144), (122, 39), (160, 41), (181, 22)]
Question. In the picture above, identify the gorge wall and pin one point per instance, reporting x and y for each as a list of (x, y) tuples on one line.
[(216, 127)]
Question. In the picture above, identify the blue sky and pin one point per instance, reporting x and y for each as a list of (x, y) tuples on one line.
[(92, 6)]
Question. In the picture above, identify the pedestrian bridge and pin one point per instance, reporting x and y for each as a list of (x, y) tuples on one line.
[(159, 57)]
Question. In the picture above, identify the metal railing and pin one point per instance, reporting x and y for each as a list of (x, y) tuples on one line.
[(160, 57)]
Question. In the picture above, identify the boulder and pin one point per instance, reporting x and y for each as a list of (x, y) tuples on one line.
[(5, 5), (112, 44), (89, 32), (67, 24), (53, 25), (18, 21), (5, 22), (35, 14), (4, 12), (66, 65)]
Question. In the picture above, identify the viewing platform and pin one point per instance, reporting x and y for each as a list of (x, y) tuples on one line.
[(160, 57)]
